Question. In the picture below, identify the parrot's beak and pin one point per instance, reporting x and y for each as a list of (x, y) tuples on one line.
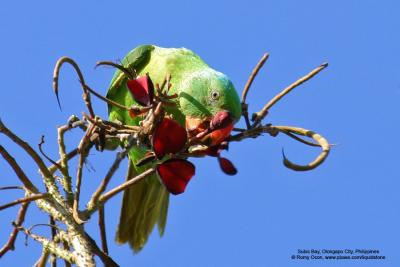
[(210, 131)]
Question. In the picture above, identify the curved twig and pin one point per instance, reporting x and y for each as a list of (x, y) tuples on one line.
[(51, 225), (245, 112), (86, 95), (126, 71), (295, 137), (108, 101), (11, 187), (69, 156), (253, 74), (323, 143), (44, 154)]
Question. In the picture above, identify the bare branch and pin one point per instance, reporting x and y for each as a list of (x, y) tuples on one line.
[(245, 106), (257, 117), (254, 132), (13, 236), (106, 196), (50, 245), (108, 261), (253, 75), (18, 171), (295, 137), (41, 262), (48, 178), (53, 258), (69, 156), (44, 154), (81, 162), (323, 143), (126, 71), (108, 101), (66, 247), (24, 200), (67, 183), (103, 185), (102, 228), (11, 187), (86, 95)]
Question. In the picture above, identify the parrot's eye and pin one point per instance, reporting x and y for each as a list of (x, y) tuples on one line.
[(214, 95)]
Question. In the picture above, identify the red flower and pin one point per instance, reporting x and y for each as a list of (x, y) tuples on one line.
[(176, 174), (142, 90), (170, 138), (227, 166)]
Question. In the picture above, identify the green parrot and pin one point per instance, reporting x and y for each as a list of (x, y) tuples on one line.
[(202, 93)]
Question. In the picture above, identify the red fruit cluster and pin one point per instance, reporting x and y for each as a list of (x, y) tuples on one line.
[(170, 138)]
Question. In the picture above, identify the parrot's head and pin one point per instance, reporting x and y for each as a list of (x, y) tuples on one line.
[(210, 104)]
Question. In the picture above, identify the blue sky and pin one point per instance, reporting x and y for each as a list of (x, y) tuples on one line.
[(261, 216)]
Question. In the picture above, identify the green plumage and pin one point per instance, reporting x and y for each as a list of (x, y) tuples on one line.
[(202, 93)]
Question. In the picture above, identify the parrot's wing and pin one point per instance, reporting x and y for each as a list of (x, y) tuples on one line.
[(144, 204), (136, 60)]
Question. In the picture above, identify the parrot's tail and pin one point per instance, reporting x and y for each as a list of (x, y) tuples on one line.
[(144, 205)]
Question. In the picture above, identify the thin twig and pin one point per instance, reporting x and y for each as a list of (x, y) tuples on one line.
[(108, 101), (73, 122), (48, 178), (51, 225), (240, 130), (86, 95), (66, 247), (257, 117), (106, 196), (11, 187), (13, 236), (107, 260), (69, 156), (109, 125), (53, 230), (253, 75), (323, 143), (103, 185), (50, 245), (18, 171), (67, 180), (245, 106), (82, 156), (126, 71), (24, 200), (295, 137), (254, 132), (102, 228), (44, 154), (41, 262)]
